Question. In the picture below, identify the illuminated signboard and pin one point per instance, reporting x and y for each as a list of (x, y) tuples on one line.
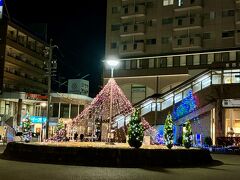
[(1, 8), (38, 119)]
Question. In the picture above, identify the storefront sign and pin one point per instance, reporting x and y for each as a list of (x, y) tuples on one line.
[(36, 96), (38, 119), (231, 103)]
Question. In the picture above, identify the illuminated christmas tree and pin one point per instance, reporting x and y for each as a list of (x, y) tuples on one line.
[(110, 96), (26, 128), (168, 131), (187, 133), (61, 132), (135, 130)]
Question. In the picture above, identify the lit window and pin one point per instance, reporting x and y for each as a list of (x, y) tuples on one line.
[(180, 2), (167, 2)]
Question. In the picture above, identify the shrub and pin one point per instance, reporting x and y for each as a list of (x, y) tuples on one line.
[(208, 141)]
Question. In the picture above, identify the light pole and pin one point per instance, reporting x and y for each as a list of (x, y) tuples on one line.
[(112, 63), (43, 105)]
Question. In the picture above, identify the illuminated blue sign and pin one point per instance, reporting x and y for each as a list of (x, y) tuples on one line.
[(38, 119), (1, 2)]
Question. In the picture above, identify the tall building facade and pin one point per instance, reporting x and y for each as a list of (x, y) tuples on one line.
[(162, 43), (170, 48), (23, 81)]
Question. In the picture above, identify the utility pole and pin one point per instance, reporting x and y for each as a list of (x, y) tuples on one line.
[(49, 69), (49, 75)]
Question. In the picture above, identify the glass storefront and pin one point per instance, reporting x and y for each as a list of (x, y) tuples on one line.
[(232, 123)]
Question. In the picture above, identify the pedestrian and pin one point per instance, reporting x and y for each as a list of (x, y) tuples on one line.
[(75, 136)]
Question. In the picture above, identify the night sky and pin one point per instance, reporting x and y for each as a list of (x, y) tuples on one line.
[(76, 26)]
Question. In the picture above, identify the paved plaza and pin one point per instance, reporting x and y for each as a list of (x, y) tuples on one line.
[(227, 169)]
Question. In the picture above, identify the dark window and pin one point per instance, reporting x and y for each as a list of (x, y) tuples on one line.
[(190, 60), (163, 62), (206, 35), (149, 4), (176, 61), (151, 22), (151, 41), (179, 22), (203, 59), (136, 9), (115, 10), (113, 45), (192, 1), (144, 64), (191, 41), (74, 110), (165, 40), (217, 57), (115, 27), (125, 28), (228, 34), (133, 64), (124, 47), (135, 46), (179, 42), (135, 27), (192, 20), (225, 56), (125, 10), (227, 13), (167, 21), (238, 55)]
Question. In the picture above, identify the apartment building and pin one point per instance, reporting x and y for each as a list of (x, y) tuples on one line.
[(161, 43), (168, 48), (22, 70)]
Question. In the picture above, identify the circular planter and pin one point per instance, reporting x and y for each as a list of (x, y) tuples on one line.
[(106, 156)]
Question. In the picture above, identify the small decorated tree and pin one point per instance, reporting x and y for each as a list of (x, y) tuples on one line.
[(61, 132), (168, 131), (26, 128), (135, 131), (187, 139)]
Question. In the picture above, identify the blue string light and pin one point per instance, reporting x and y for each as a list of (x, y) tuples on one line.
[(188, 105)]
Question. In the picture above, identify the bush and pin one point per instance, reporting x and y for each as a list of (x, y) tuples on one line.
[(187, 141), (168, 131), (208, 141)]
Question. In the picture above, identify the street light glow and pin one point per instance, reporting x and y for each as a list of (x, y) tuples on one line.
[(112, 63), (43, 104)]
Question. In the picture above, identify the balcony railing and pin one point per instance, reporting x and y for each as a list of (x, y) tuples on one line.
[(132, 48), (25, 45), (24, 63), (187, 23), (188, 5), (132, 30), (190, 42), (133, 11), (25, 79)]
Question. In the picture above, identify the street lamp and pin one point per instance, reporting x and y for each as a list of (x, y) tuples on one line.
[(112, 63), (43, 105)]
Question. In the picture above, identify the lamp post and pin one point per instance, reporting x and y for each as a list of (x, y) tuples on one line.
[(43, 105), (112, 63)]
